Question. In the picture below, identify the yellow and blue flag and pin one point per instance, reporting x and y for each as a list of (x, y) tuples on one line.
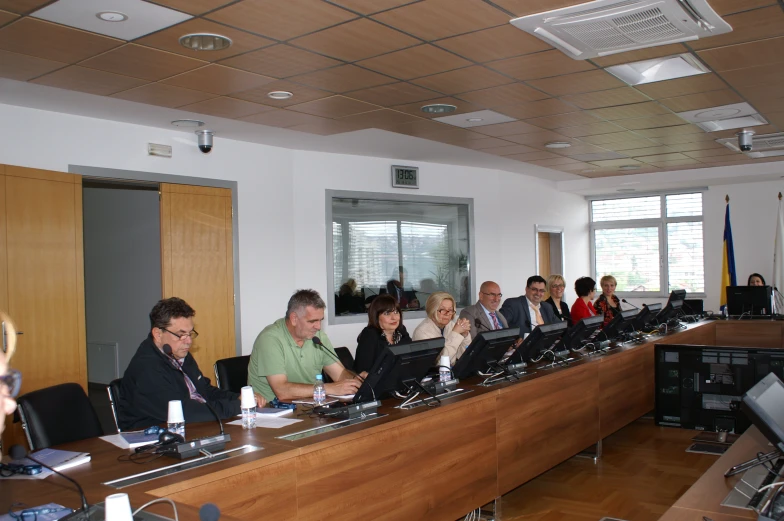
[(728, 264)]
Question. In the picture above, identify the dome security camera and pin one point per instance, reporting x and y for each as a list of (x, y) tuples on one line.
[(745, 141), (205, 140)]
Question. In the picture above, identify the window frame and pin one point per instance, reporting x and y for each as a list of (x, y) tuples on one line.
[(661, 223), (329, 195)]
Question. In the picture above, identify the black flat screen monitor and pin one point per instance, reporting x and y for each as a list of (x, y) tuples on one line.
[(397, 365), (677, 294), (620, 323), (486, 348), (541, 339), (646, 315), (748, 300), (764, 406), (694, 306), (579, 333), (671, 310)]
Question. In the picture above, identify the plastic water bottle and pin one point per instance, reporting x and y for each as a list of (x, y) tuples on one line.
[(444, 372), (248, 407), (176, 428), (248, 418), (319, 392)]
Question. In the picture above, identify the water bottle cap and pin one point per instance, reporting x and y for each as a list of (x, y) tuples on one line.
[(318, 377)]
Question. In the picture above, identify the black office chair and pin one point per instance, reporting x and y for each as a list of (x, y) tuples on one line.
[(231, 374), (345, 358), (56, 415), (113, 390)]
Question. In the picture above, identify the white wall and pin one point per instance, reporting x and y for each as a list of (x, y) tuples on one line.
[(281, 202)]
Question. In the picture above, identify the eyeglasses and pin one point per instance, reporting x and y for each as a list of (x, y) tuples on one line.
[(557, 286), (390, 313), (182, 336), (446, 311), (493, 295), (535, 290), (12, 381)]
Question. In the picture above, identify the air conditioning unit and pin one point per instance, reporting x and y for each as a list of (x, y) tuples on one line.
[(605, 27), (763, 145)]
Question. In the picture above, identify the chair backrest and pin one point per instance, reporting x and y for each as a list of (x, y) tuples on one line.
[(58, 414), (345, 358), (231, 374), (113, 390)]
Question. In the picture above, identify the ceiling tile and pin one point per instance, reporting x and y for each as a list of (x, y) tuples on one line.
[(622, 146), (343, 79), (640, 55), (682, 86), (326, 127), (21, 67), (723, 159), (670, 131), (582, 149), (539, 65), (394, 94), (414, 62), (768, 75), (301, 94), (416, 108), (724, 7), (647, 151), (6, 17), (702, 147), (661, 157), (511, 94), (525, 7), (636, 110), (663, 120), (423, 128), (676, 163), (487, 142), (163, 95), (745, 55), (603, 127), (533, 156), (509, 150), (356, 40), (22, 6), (88, 80), (226, 108), (555, 162), (334, 107), (679, 139), (436, 19), (371, 6), (53, 42), (507, 129), (746, 27), (702, 100), (615, 163), (577, 83), (536, 109), (494, 44), (281, 20), (461, 80), (710, 152), (569, 119), (142, 17), (384, 119), (142, 62), (169, 40), (280, 61), (218, 79), (193, 6), (282, 118), (606, 98)]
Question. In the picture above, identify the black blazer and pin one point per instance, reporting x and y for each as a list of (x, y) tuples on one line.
[(370, 343), (563, 313), (151, 381)]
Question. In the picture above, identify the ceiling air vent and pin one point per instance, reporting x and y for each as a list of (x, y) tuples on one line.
[(763, 145), (608, 27)]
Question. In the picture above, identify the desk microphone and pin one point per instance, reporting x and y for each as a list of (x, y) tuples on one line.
[(209, 512), (478, 324), (627, 302), (18, 452)]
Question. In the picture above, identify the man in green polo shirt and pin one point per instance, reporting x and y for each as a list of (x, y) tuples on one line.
[(285, 361)]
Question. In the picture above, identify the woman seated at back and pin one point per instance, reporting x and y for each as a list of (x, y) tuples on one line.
[(385, 328), (440, 308), (608, 304), (556, 286), (585, 287), (755, 279)]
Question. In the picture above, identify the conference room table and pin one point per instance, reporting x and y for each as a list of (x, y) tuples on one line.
[(427, 462)]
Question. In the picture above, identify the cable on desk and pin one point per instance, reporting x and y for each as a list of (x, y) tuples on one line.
[(159, 500)]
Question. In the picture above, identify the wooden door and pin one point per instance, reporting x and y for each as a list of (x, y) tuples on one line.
[(44, 286), (198, 266)]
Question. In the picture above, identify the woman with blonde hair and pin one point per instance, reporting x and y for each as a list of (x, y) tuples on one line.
[(608, 302), (10, 379), (556, 286), (441, 308)]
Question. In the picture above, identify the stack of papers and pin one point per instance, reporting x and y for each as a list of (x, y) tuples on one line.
[(131, 439)]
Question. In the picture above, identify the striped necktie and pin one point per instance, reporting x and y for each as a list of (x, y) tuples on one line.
[(496, 324)]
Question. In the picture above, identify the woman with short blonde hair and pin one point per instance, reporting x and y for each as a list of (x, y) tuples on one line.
[(608, 302), (441, 309), (556, 285)]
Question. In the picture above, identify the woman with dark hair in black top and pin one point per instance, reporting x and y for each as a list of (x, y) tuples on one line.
[(385, 328)]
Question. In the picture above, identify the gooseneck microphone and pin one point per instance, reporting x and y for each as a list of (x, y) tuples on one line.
[(18, 452), (317, 342), (209, 512), (627, 302), (478, 324)]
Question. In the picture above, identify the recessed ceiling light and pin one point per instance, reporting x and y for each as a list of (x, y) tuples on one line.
[(474, 120), (112, 16), (558, 144), (439, 108), (659, 69), (187, 123), (279, 94), (730, 123), (205, 42), (630, 167)]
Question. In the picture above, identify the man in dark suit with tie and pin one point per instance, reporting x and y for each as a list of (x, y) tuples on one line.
[(484, 315), (528, 311)]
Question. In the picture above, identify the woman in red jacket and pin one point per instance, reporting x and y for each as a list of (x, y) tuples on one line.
[(585, 287)]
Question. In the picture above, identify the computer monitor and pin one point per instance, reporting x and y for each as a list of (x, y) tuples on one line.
[(670, 311), (541, 339), (397, 366), (764, 406), (579, 333), (694, 306), (646, 315), (749, 300), (486, 348), (677, 294), (620, 323)]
